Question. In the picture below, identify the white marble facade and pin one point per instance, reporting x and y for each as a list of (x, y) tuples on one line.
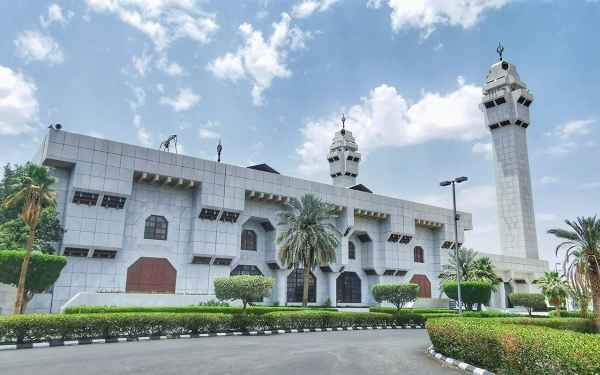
[(180, 188)]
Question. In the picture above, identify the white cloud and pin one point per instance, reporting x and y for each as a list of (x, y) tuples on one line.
[(375, 4), (137, 120), (142, 63), (385, 118), (140, 96), (55, 15), (307, 7), (18, 105), (163, 21), (172, 69), (145, 137), (205, 133), (591, 185), (261, 60), (160, 87), (96, 134), (425, 14), (485, 148), (545, 217), (468, 199), (574, 128), (549, 180), (33, 46), (563, 148), (184, 101)]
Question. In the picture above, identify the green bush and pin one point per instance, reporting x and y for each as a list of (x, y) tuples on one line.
[(254, 310), (489, 314), (500, 345), (422, 310), (246, 288), (529, 301), (570, 314), (61, 327), (396, 294), (472, 292)]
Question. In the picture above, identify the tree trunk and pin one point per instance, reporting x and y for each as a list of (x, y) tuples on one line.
[(595, 286), (305, 291), (244, 308), (21, 287), (28, 297), (557, 307)]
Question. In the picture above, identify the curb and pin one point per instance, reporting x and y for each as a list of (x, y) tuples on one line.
[(193, 336), (456, 363)]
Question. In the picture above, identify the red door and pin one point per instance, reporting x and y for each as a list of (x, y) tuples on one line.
[(425, 286), (151, 275)]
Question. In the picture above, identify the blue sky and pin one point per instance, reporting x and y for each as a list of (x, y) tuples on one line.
[(272, 79)]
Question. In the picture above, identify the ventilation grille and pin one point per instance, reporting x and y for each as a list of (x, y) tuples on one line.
[(201, 260), (110, 201), (107, 254), (489, 104), (267, 226), (364, 238), (209, 214), (405, 239), (394, 238), (229, 217), (85, 198), (222, 262), (447, 244), (370, 272), (500, 101), (76, 252), (273, 266), (325, 269), (389, 272)]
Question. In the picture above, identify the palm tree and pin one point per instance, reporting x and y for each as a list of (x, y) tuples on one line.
[(310, 238), (583, 245), (554, 288), (483, 270), (34, 190), (466, 259)]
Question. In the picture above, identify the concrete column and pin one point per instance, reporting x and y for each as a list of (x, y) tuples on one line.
[(332, 287), (281, 284), (502, 296)]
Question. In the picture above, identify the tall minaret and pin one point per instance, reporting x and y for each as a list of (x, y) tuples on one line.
[(505, 104), (343, 158)]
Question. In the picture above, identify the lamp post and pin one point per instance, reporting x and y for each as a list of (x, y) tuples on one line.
[(456, 219)]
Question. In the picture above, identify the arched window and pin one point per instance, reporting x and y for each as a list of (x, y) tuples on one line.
[(156, 228), (348, 288), (295, 286), (248, 240), (418, 255), (246, 270), (351, 250)]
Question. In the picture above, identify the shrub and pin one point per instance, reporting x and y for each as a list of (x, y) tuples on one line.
[(571, 314), (243, 287), (489, 314), (327, 303), (42, 272), (213, 302), (472, 292), (500, 345), (254, 310), (60, 327), (396, 294), (419, 310), (529, 301)]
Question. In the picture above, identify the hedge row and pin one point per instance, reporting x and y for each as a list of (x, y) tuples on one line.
[(502, 346), (423, 310), (254, 310), (570, 314), (61, 327)]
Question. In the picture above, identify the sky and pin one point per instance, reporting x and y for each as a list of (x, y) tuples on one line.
[(271, 80)]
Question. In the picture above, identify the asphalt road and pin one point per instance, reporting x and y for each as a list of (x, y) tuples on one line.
[(344, 352)]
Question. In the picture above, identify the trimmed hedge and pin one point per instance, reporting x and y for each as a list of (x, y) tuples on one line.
[(570, 314), (60, 327), (472, 292), (255, 310), (422, 310), (509, 347)]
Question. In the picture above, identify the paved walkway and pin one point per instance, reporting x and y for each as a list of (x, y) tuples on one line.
[(346, 352)]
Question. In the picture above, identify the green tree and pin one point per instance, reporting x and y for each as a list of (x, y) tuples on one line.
[(528, 300), (466, 259), (34, 190), (472, 292), (582, 257), (14, 234), (310, 237), (243, 287), (554, 288), (396, 294), (581, 299), (483, 270), (43, 271)]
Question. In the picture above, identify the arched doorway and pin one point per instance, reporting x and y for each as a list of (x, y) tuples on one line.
[(151, 275), (507, 291), (424, 285), (348, 288)]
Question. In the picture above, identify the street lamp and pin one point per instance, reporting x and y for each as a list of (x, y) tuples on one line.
[(456, 219)]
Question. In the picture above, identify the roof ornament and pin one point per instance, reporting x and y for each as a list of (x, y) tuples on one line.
[(164, 145), (343, 125), (219, 148), (500, 49)]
